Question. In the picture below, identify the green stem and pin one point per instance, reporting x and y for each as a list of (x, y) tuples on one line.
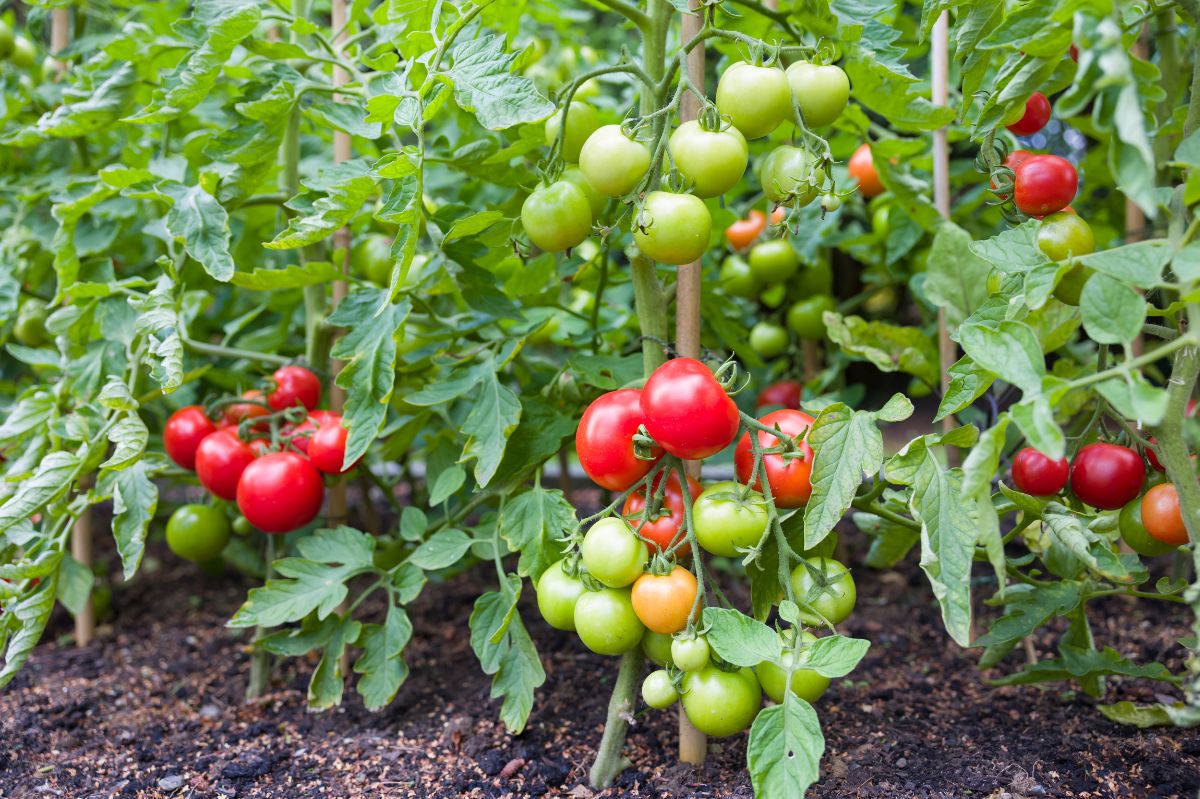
[(221, 351), (1193, 116), (260, 659), (1134, 363), (610, 758)]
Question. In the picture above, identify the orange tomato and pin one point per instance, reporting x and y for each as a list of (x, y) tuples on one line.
[(778, 215), (862, 167), (663, 601), (742, 233), (1161, 515)]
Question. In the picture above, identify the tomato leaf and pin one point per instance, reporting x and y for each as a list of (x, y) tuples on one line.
[(1009, 349), (835, 655), (313, 273), (442, 550), (739, 639), (135, 500), (484, 84), (534, 523), (449, 481), (955, 278), (785, 748), (1113, 312), (889, 347), (327, 683), (495, 413), (382, 668), (30, 615), (968, 382), (74, 584), (51, 480), (890, 542), (1077, 664), (505, 650), (1141, 716)]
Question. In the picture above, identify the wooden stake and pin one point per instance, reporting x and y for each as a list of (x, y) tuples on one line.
[(693, 744), (939, 58)]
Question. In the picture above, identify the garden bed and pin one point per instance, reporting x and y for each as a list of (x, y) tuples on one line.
[(154, 708)]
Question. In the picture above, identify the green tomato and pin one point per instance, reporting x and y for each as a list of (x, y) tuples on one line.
[(882, 302), (995, 280), (713, 160), (721, 703), (674, 228), (774, 295), (574, 174), (834, 602), (774, 261), (557, 593), (372, 257), (197, 532), (691, 653), (821, 92), (806, 683), (805, 317), (557, 217), (814, 279), (1133, 532), (6, 40), (30, 327), (768, 339), (1070, 286), (1063, 235), (756, 99), (242, 526), (918, 260), (881, 217), (658, 691), (657, 647), (788, 176), (24, 54), (612, 552), (582, 122), (737, 279), (612, 162), (830, 202), (606, 622), (726, 520)]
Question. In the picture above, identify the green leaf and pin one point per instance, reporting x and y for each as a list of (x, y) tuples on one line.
[(533, 523), (346, 187), (52, 479), (382, 668), (346, 117), (1113, 313), (203, 225), (413, 523), (327, 683), (313, 273), (891, 91), (889, 347), (1140, 264), (495, 413), (448, 482), (485, 85), (605, 372), (158, 321), (32, 412), (443, 549), (1141, 716), (784, 750), (31, 613), (1013, 250), (1135, 398), (1080, 664), (135, 500), (890, 542), (835, 655), (983, 461), (1035, 417), (471, 225), (1010, 349), (739, 639), (87, 111), (129, 436), (74, 584), (956, 278), (505, 650), (1028, 608), (1094, 550)]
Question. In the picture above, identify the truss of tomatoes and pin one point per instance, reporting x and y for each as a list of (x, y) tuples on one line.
[(277, 488), (623, 586)]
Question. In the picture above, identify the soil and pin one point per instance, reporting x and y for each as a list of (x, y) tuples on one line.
[(154, 708)]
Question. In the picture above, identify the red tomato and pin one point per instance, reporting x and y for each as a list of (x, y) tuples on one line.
[(328, 447), (1037, 114), (742, 233), (687, 411), (184, 431), (1106, 476), (280, 492), (1014, 160), (1162, 516), (788, 474), (1044, 184), (238, 411), (294, 385), (785, 394), (302, 432), (665, 526), (260, 446), (1074, 53), (220, 460), (604, 440), (1036, 474), (862, 167)]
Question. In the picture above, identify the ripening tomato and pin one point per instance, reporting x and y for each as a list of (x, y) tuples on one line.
[(582, 122), (821, 91), (713, 160), (253, 409), (557, 593), (728, 518), (789, 176), (721, 703), (862, 168), (673, 228), (1134, 533), (785, 394), (831, 603), (280, 492), (612, 552), (612, 162), (742, 233), (1044, 184), (690, 652), (557, 217), (220, 460), (1063, 235), (1106, 476), (197, 532), (807, 684), (658, 691), (1162, 515), (756, 99), (660, 532), (687, 411), (1034, 117), (663, 602), (604, 440), (183, 432), (294, 385), (327, 450), (606, 622), (1039, 475), (788, 473)]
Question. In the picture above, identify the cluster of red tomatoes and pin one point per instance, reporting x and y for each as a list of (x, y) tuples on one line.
[(711, 154), (624, 587), (266, 451), (1110, 477)]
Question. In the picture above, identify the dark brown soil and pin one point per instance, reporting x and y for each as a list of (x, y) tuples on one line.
[(153, 709)]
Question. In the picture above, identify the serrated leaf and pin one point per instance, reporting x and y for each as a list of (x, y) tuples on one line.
[(1080, 664), (532, 523), (313, 273), (51, 480), (382, 668), (505, 650), (135, 500), (444, 549), (784, 750), (31, 614), (129, 436), (495, 413), (1028, 608), (484, 84), (346, 187), (1113, 313), (955, 278), (327, 683), (889, 347), (739, 639)]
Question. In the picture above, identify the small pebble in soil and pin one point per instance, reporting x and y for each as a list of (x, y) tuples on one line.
[(210, 712), (171, 782), (901, 762)]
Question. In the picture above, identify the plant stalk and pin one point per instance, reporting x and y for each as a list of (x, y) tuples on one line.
[(610, 757)]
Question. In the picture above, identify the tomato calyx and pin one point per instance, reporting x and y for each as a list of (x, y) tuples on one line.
[(711, 120)]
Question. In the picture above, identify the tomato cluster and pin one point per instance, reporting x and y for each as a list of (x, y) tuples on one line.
[(266, 451)]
